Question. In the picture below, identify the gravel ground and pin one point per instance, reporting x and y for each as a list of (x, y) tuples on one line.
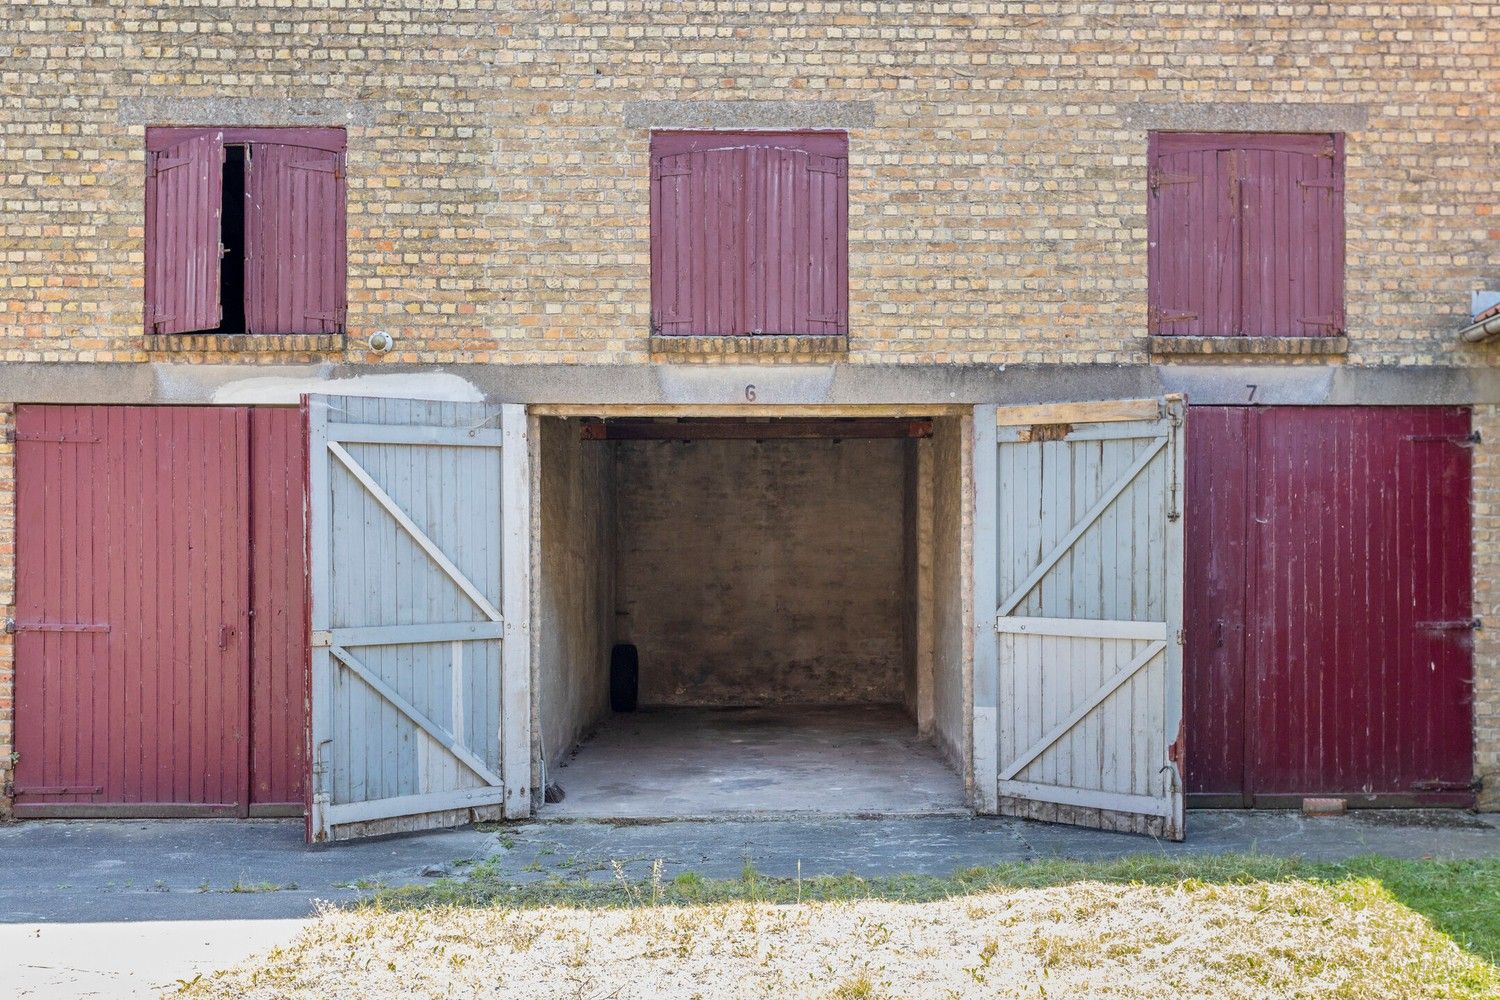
[(1261, 940)]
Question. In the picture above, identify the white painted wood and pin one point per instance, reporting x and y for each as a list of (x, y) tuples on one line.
[(414, 715), (398, 635), (320, 721), (458, 437), (985, 667), (1089, 703), (1082, 628), (1117, 802), (409, 805), (1061, 547), (1086, 640), (445, 739), (417, 534), (515, 499)]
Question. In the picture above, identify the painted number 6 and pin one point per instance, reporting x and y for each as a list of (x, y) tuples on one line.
[(749, 393)]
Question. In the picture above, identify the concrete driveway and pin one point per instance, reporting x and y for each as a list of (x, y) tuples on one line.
[(128, 908)]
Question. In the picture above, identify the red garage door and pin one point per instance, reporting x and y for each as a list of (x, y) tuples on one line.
[(1328, 604), (160, 611)]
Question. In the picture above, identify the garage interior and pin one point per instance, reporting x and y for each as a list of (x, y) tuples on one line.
[(793, 590)]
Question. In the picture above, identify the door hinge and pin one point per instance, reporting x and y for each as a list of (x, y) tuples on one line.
[(1468, 440), (1436, 785), (1157, 317), (1158, 178), (1454, 625)]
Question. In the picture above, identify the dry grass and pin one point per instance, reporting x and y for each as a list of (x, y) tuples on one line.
[(1107, 936)]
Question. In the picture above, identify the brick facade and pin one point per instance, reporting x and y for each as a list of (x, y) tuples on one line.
[(498, 176), (498, 159)]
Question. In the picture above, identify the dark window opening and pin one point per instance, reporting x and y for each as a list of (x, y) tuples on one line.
[(232, 242)]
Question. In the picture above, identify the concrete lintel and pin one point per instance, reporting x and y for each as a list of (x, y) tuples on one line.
[(831, 384), (750, 114), (1215, 116), (244, 111)]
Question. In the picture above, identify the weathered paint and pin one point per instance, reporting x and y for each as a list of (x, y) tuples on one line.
[(1245, 234), (1329, 580), (184, 205), (278, 602), (175, 535), (1088, 561), (132, 527), (749, 233), (420, 526), (295, 236)]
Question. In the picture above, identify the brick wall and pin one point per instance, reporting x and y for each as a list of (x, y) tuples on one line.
[(1487, 605), (792, 553), (499, 166)]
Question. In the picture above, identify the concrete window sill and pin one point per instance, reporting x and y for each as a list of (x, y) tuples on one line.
[(1284, 346), (758, 344), (299, 343)]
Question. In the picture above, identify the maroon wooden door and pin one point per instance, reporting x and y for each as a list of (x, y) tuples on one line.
[(279, 631), (1353, 674), (134, 596), (1215, 573)]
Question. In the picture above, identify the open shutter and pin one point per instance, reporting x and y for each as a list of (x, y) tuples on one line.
[(1078, 687), (184, 207), (749, 233), (420, 540), (295, 239)]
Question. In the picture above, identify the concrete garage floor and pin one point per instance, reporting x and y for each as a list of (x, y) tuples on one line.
[(687, 762)]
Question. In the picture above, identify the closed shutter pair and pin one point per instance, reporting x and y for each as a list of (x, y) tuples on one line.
[(749, 233), (1246, 234), (294, 229)]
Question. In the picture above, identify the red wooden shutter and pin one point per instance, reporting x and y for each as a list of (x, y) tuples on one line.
[(749, 233), (1192, 236), (1245, 234), (184, 203), (1293, 260), (295, 238)]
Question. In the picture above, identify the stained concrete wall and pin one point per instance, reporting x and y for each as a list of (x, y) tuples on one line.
[(950, 691), (576, 590), (917, 608), (762, 573)]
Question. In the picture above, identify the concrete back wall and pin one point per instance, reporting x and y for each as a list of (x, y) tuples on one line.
[(762, 573), (951, 581), (576, 589)]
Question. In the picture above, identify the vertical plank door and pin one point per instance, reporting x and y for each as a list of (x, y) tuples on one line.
[(132, 644), (419, 515), (1078, 542)]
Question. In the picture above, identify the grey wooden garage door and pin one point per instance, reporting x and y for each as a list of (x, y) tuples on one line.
[(420, 520), (1078, 670)]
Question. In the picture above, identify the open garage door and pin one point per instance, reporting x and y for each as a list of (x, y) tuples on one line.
[(420, 523), (1078, 674)]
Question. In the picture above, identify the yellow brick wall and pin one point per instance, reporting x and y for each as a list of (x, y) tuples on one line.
[(498, 200)]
